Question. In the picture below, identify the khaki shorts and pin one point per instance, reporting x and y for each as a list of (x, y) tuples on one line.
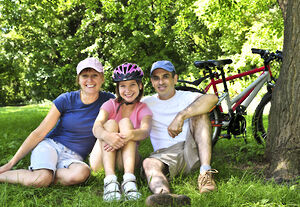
[(182, 157)]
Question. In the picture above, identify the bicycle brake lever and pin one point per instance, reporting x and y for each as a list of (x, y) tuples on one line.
[(278, 54)]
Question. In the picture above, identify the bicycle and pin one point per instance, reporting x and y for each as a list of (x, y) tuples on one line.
[(233, 121)]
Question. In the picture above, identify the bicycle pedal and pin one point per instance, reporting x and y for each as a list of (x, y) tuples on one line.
[(225, 136)]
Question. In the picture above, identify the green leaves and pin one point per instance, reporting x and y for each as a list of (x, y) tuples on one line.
[(42, 41)]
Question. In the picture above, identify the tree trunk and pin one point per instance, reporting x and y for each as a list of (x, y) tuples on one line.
[(283, 6), (283, 144)]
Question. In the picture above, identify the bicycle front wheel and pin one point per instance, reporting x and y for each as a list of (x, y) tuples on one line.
[(214, 116), (260, 118)]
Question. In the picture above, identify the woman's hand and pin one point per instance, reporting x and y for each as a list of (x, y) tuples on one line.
[(5, 167)]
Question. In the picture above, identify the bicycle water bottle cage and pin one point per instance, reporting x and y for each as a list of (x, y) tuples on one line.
[(237, 125)]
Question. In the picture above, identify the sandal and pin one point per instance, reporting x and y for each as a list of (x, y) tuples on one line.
[(130, 190), (111, 191)]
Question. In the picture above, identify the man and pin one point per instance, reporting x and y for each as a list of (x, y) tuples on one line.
[(180, 136)]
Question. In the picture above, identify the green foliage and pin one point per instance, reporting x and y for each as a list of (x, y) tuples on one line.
[(43, 41)]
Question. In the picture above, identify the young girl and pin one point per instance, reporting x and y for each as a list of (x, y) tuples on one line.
[(121, 123)]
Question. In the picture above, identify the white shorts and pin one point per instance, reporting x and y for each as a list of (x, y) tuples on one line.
[(52, 155)]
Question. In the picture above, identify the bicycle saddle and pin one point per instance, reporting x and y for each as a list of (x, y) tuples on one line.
[(211, 63)]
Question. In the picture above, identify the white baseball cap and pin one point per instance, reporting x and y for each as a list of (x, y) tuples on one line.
[(89, 63)]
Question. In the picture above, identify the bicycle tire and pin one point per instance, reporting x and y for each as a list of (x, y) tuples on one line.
[(214, 115), (259, 122)]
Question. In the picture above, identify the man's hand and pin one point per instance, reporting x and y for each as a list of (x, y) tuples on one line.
[(175, 127)]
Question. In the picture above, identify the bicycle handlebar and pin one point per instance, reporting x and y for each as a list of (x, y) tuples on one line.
[(266, 55), (259, 51)]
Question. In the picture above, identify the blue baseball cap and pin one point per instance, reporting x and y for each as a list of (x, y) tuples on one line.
[(163, 64)]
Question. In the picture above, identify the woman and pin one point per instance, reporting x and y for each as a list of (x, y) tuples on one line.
[(57, 157), (121, 123)]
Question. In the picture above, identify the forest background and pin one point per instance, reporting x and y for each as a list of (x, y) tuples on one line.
[(42, 41)]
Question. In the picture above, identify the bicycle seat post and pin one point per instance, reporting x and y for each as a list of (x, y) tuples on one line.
[(211, 75), (223, 78), (230, 110)]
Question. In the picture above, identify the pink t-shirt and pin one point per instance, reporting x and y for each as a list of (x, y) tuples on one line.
[(140, 110)]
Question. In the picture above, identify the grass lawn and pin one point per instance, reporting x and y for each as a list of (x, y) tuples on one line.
[(240, 179)]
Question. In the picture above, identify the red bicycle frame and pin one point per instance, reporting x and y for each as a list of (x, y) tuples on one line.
[(214, 83)]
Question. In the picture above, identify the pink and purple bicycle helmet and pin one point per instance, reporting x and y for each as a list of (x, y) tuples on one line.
[(127, 71)]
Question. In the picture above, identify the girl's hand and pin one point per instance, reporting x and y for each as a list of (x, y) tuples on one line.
[(108, 148), (128, 135), (115, 140)]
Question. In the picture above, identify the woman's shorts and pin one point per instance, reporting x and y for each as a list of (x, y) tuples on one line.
[(182, 157), (52, 155)]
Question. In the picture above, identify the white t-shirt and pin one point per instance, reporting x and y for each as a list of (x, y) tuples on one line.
[(164, 111)]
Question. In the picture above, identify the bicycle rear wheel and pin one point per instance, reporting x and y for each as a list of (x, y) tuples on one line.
[(260, 121), (214, 116)]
